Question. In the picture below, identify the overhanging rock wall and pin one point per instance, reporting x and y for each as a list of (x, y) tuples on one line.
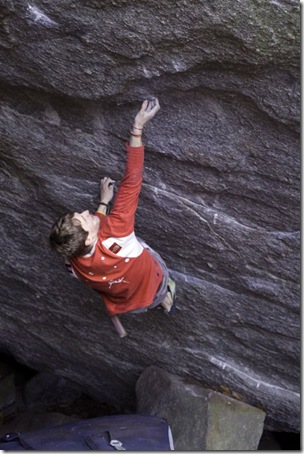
[(220, 199)]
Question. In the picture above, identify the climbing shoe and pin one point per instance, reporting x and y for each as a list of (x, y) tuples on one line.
[(169, 304)]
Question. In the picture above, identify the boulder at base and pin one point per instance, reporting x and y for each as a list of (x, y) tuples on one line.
[(200, 419)]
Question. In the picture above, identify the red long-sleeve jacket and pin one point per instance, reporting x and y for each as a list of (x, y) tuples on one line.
[(119, 267)]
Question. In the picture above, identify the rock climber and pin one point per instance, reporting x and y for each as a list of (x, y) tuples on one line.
[(102, 250)]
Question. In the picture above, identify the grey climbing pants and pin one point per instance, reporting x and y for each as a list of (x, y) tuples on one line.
[(162, 289)]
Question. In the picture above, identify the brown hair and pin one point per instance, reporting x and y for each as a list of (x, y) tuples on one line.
[(67, 237)]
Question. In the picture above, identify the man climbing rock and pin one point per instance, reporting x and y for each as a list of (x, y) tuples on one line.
[(102, 250)]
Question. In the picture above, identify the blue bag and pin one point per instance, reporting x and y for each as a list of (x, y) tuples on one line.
[(106, 433)]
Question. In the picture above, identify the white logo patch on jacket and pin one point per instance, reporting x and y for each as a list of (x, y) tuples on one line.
[(127, 246)]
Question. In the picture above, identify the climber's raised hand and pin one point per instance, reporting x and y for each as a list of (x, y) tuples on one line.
[(148, 110)]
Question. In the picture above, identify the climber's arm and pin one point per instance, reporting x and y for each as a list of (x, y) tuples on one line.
[(148, 109), (121, 219)]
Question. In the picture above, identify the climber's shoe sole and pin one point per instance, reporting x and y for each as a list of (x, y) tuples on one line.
[(172, 291)]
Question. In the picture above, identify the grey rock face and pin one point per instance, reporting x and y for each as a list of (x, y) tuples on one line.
[(7, 393), (31, 421), (220, 199), (200, 419), (45, 390)]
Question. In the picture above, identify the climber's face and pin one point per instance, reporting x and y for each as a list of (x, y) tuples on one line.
[(90, 223)]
